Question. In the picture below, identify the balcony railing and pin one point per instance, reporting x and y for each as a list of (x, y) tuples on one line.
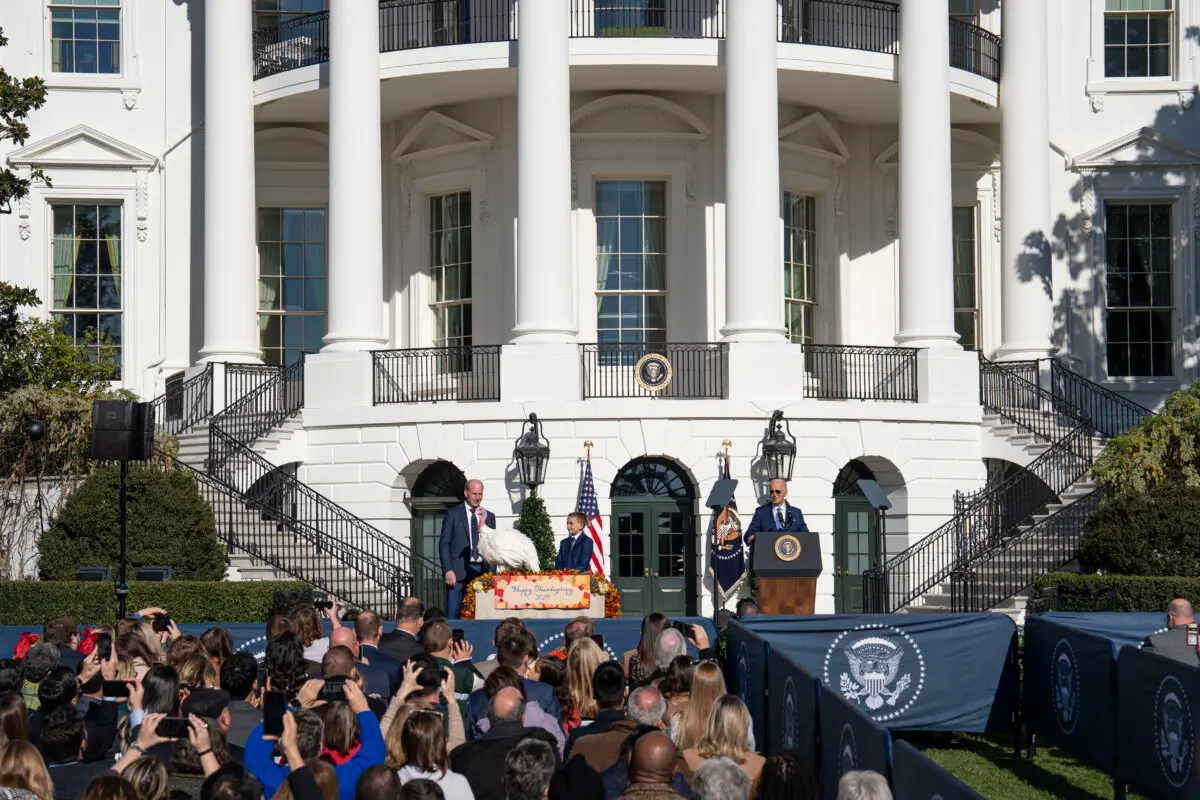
[(850, 372), (691, 371), (870, 25), (430, 374)]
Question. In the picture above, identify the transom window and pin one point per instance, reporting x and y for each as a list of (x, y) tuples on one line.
[(1138, 38), (85, 36), (291, 283), (631, 262), (966, 279), (270, 13), (799, 265), (87, 276), (450, 269), (1140, 294)]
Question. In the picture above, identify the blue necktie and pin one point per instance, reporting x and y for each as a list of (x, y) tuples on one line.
[(474, 536), (778, 519)]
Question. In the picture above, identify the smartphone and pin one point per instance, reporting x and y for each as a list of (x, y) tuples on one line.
[(1193, 640), (118, 689), (174, 727), (334, 690), (104, 646), (687, 630), (162, 623), (598, 639), (323, 605), (274, 707), (459, 635)]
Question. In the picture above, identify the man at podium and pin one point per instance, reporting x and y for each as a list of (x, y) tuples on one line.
[(776, 515)]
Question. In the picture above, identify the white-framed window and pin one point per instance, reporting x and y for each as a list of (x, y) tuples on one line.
[(966, 278), (1139, 37), (271, 13), (292, 283), (85, 37), (1140, 293), (86, 279), (450, 261), (799, 265), (631, 261)]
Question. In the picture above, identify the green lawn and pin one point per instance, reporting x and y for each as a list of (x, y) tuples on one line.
[(987, 765)]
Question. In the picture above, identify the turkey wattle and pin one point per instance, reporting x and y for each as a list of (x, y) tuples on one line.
[(508, 550)]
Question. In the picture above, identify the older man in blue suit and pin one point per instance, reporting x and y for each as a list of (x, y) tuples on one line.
[(575, 552), (776, 515), (458, 546)]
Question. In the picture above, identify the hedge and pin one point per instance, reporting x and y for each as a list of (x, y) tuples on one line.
[(1151, 533), (33, 602), (1133, 592)]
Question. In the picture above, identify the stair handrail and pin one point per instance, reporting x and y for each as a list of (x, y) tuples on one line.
[(1024, 403), (193, 398), (1111, 413), (256, 413), (1043, 547)]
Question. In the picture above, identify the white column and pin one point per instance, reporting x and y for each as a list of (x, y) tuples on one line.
[(926, 204), (545, 289), (1027, 310), (753, 260), (355, 179), (230, 282)]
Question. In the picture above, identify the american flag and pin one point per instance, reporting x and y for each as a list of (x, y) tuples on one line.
[(589, 508)]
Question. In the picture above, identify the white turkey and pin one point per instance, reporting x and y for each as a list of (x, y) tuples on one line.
[(508, 550)]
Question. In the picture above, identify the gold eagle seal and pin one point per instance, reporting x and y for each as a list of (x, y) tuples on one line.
[(787, 548)]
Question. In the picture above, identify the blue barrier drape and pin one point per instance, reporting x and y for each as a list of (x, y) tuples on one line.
[(908, 671), (746, 668), (915, 776), (793, 699), (1070, 682), (849, 741), (1123, 627), (1158, 711)]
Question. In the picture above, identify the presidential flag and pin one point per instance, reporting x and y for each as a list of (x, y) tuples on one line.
[(728, 556), (595, 524)]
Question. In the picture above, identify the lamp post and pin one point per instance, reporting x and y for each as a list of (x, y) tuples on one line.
[(532, 453), (36, 430), (779, 448)]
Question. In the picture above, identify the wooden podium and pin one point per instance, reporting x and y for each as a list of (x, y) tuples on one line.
[(786, 566)]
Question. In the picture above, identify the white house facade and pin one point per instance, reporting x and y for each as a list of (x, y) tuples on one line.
[(354, 245)]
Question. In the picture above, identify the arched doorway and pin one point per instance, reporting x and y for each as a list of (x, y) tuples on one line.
[(439, 487), (652, 539), (857, 537)]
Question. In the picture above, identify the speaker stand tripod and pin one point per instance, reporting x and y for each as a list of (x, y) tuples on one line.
[(122, 586)]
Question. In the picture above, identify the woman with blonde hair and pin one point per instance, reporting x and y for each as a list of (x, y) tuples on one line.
[(726, 735), (22, 767), (107, 786), (136, 642), (149, 776), (708, 685), (582, 659), (196, 672)]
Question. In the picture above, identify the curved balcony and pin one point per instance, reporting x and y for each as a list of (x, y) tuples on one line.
[(866, 25)]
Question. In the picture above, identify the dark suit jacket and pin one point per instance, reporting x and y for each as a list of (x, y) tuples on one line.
[(400, 645), (575, 553), (69, 658), (378, 658), (482, 761), (378, 682), (243, 718), (454, 546), (99, 721), (535, 692), (1173, 644), (603, 721), (71, 780), (764, 520)]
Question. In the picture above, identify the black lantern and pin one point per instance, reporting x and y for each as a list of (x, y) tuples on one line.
[(35, 429), (532, 453), (779, 448)]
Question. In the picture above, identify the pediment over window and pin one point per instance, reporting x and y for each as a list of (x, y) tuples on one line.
[(1141, 147), (813, 135), (440, 135), (83, 148), (968, 151), (641, 117), (291, 145)]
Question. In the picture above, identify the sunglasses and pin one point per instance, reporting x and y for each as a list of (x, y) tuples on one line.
[(776, 491)]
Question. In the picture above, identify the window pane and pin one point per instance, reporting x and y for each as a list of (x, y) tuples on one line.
[(799, 265), (450, 274), (631, 260), (292, 246)]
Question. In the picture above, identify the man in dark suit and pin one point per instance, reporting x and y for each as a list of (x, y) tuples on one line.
[(401, 644), (64, 741), (376, 682), (458, 546), (575, 552), (369, 630), (776, 515), (513, 651), (481, 761), (1172, 642), (239, 679)]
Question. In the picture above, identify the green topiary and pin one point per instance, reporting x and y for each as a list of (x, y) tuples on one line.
[(169, 525), (534, 522), (1154, 533)]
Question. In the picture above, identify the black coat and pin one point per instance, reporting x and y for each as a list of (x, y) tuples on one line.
[(482, 761), (400, 645)]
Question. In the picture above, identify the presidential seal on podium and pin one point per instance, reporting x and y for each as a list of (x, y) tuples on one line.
[(653, 372)]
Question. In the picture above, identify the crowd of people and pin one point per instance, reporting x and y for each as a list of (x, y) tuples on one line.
[(144, 712)]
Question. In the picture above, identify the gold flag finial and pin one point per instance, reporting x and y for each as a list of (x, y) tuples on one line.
[(727, 444), (588, 446)]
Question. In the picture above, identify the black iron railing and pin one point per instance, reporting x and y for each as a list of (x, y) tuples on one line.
[(430, 374), (975, 50), (242, 379), (255, 414), (185, 403), (296, 43), (684, 370), (872, 25), (1005, 390), (1013, 567), (850, 372), (414, 24), (1111, 413), (678, 19)]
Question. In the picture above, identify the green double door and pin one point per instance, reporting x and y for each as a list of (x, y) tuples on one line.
[(426, 531), (653, 557), (856, 546)]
